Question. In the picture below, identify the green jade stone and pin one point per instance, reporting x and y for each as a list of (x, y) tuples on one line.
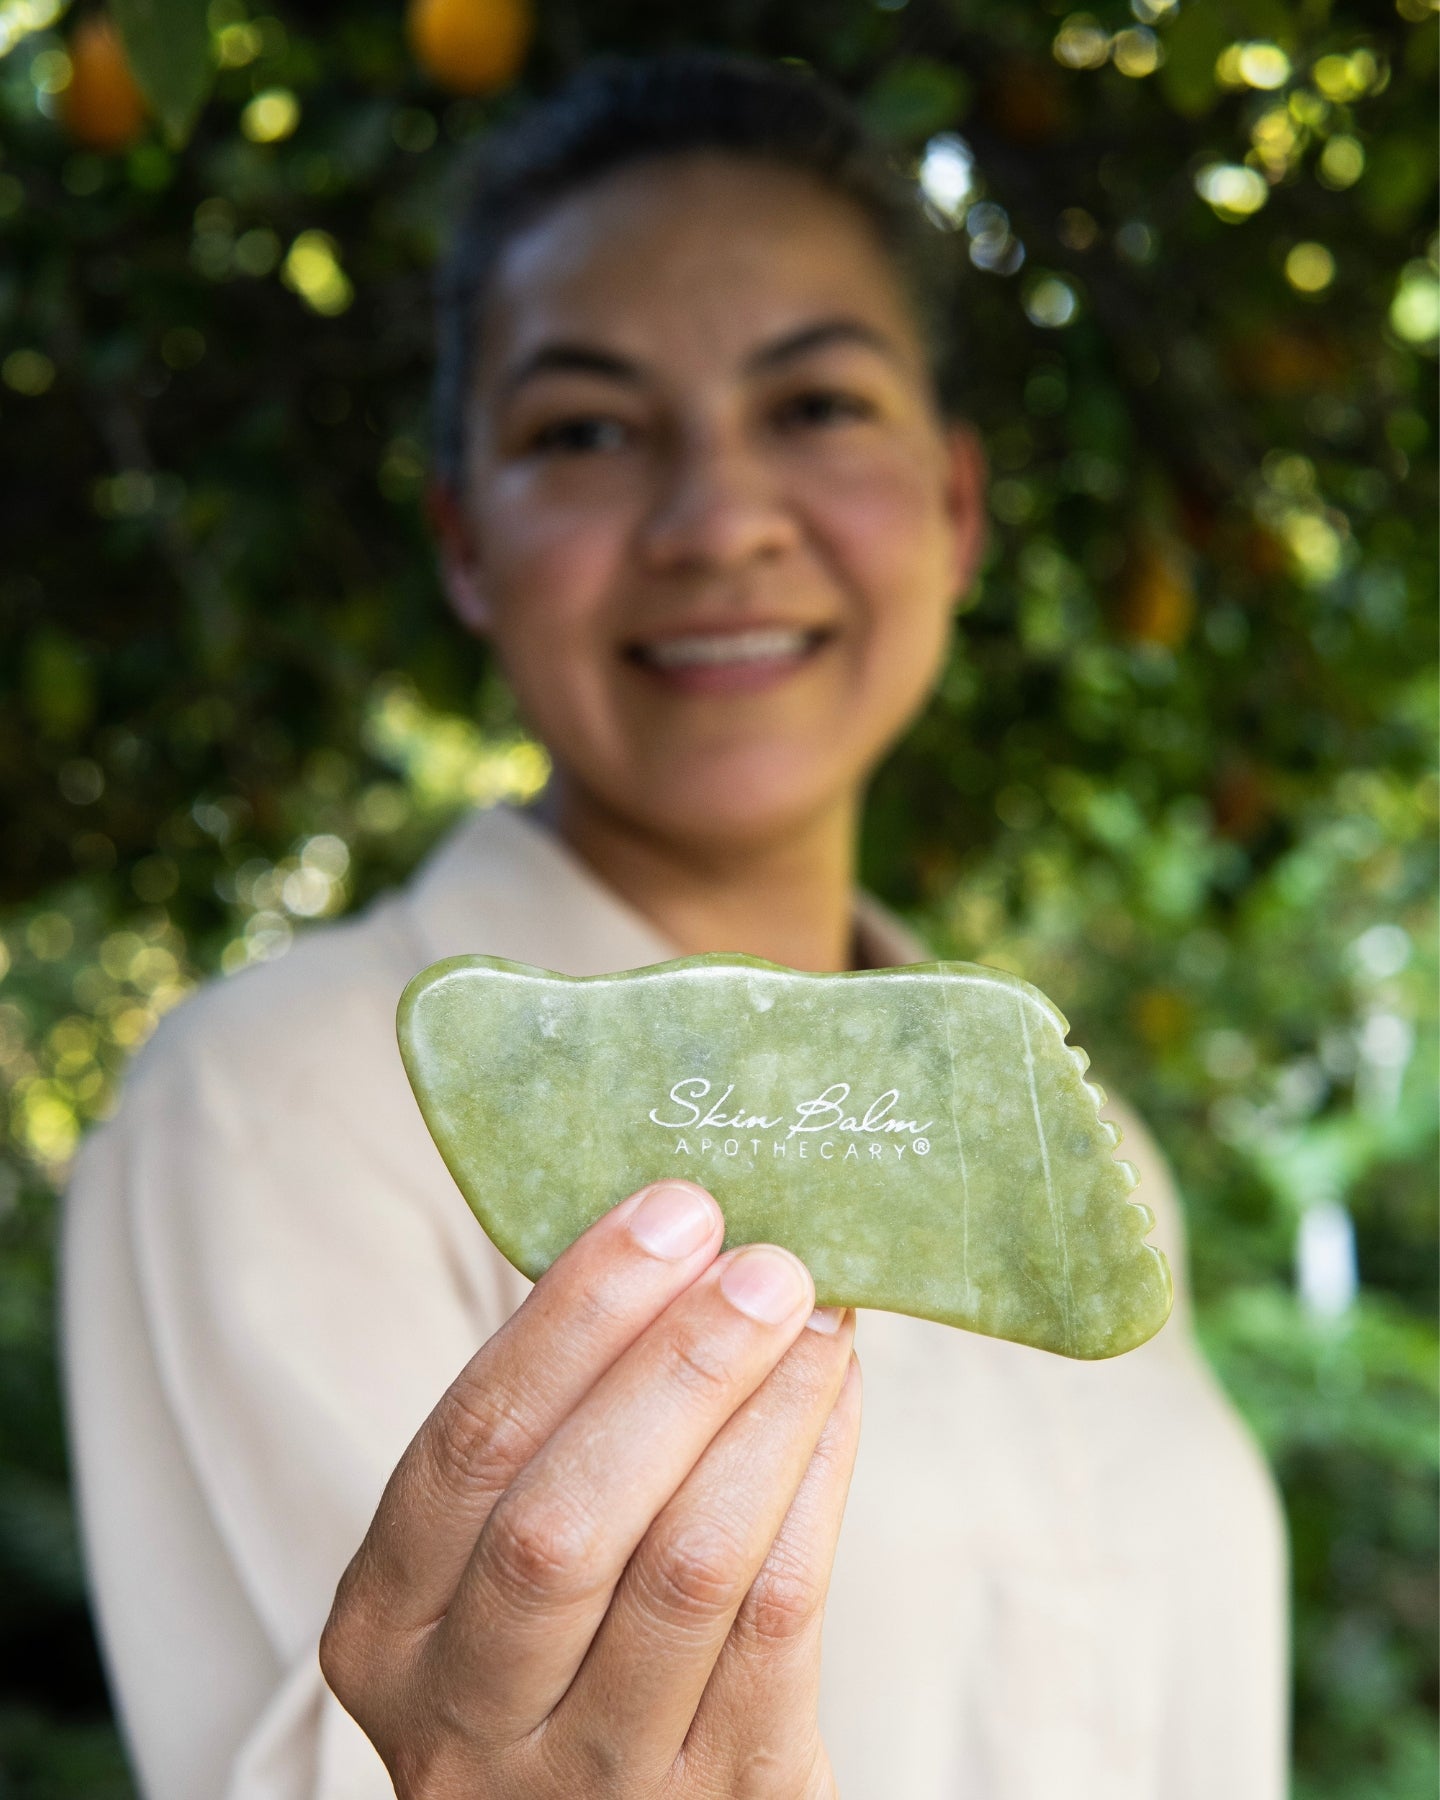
[(922, 1138)]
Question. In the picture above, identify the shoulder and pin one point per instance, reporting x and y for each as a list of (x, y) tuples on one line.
[(315, 1022), (321, 1018), (269, 1161)]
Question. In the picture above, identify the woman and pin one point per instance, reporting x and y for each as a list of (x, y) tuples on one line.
[(696, 488)]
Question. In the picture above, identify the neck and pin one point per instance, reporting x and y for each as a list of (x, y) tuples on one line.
[(790, 900)]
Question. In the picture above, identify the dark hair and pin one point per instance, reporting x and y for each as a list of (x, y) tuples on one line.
[(618, 111)]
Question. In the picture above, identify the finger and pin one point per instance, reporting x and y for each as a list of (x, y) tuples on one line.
[(677, 1599), (555, 1543), (587, 1309), (768, 1673)]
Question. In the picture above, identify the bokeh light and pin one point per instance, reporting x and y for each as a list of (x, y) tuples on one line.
[(1234, 191), (1257, 65), (1309, 268), (1415, 310), (28, 371), (271, 116), (1050, 302), (947, 176), (1081, 43), (312, 269), (1137, 52)]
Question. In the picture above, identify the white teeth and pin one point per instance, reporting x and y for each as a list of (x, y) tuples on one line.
[(726, 647)]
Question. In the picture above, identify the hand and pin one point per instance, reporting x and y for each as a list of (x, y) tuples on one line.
[(599, 1568)]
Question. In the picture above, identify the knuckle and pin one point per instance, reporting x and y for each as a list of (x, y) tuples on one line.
[(538, 1546), (602, 1308), (696, 1365), (481, 1438), (762, 1774), (697, 1572), (357, 1667), (781, 1606), (338, 1661), (593, 1764), (370, 1599), (759, 1769), (421, 1768), (344, 1655)]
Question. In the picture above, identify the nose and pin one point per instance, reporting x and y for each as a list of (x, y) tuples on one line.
[(719, 509)]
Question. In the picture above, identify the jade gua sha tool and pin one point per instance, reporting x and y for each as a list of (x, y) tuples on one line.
[(922, 1138)]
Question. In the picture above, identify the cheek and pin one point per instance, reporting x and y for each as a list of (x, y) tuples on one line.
[(885, 529), (887, 532), (549, 558)]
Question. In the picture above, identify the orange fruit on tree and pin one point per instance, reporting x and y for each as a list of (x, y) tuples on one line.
[(1161, 1016), (101, 107), (1241, 802), (1157, 601), (471, 46)]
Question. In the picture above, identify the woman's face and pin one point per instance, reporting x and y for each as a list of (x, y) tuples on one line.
[(711, 519)]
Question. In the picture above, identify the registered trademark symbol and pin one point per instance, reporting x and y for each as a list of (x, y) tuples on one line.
[(922, 1146)]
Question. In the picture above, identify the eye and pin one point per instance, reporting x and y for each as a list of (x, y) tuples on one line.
[(582, 434), (823, 406)]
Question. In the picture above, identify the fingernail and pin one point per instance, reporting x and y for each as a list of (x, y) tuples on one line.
[(671, 1222), (764, 1284), (826, 1319)]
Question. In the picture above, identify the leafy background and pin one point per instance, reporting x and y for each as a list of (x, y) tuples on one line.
[(1179, 771)]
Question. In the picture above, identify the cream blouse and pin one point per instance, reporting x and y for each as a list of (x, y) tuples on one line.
[(1056, 1580)]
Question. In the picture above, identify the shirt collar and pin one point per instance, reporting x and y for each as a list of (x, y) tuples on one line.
[(504, 884)]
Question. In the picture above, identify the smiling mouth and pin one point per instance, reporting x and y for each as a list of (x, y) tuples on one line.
[(763, 646)]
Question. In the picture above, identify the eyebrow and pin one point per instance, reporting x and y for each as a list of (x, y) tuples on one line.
[(565, 358), (820, 336), (570, 359)]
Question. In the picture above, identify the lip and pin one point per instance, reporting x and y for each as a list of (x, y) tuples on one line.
[(730, 657)]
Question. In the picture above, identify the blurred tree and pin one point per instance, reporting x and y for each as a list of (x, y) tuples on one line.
[(1180, 770)]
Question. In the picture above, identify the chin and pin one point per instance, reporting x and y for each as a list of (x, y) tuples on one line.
[(731, 809)]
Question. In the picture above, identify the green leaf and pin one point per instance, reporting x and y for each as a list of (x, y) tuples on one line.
[(1192, 44), (59, 683), (1398, 181), (168, 46), (916, 97)]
